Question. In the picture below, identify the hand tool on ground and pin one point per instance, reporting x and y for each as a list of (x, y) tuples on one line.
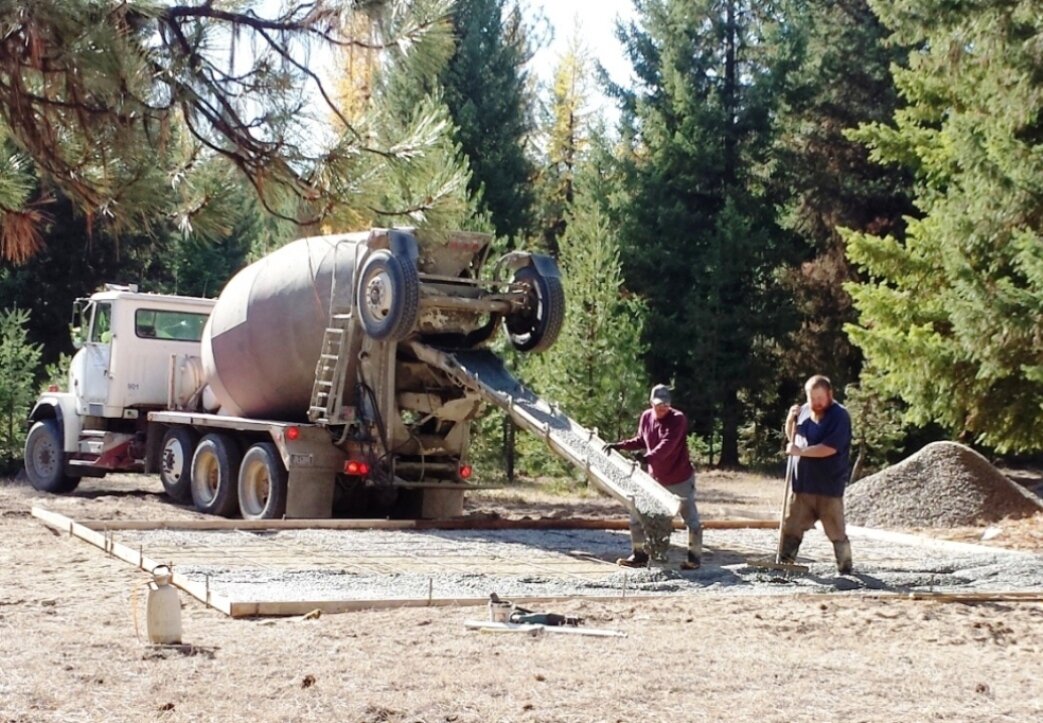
[(778, 564)]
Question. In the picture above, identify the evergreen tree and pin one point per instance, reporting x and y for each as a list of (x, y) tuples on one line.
[(593, 370), (844, 80), (18, 363), (565, 139), (486, 90), (123, 106), (701, 238), (952, 316), (388, 92)]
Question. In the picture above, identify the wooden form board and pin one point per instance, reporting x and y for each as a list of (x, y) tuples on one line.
[(200, 591), (570, 523), (239, 608)]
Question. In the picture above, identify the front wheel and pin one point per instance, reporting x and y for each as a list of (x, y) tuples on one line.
[(262, 483), (537, 327), (45, 459), (215, 471)]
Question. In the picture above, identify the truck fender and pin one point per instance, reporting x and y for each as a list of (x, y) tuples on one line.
[(60, 406), (403, 244), (546, 266)]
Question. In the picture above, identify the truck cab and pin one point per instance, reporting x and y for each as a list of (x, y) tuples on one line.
[(132, 349)]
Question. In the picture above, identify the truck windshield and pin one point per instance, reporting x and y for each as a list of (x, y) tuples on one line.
[(171, 325)]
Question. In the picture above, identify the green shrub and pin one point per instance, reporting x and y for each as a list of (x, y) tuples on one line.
[(19, 360)]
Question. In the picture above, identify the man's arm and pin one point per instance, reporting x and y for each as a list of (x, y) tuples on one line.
[(815, 450), (636, 442), (791, 421)]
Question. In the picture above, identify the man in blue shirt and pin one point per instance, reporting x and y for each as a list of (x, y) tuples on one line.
[(819, 433)]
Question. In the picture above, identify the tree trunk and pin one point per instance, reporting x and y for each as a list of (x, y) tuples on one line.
[(730, 429)]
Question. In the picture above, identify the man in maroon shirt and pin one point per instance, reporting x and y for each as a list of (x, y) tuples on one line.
[(662, 437)]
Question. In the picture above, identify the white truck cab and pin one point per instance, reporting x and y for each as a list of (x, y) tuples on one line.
[(126, 342), (130, 348)]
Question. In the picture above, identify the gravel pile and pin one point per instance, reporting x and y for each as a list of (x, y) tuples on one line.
[(943, 485)]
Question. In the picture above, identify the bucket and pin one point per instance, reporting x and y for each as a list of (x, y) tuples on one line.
[(500, 612), (163, 609)]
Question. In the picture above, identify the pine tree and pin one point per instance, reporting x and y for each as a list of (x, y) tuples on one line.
[(565, 138), (391, 91), (486, 90), (18, 364), (701, 237), (123, 106), (952, 316), (844, 80), (594, 369)]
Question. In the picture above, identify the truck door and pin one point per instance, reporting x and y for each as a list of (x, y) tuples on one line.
[(98, 353)]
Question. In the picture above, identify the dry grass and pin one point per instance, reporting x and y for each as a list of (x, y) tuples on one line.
[(69, 651)]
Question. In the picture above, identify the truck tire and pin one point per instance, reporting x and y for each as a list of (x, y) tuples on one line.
[(45, 459), (388, 296), (175, 462), (215, 473), (262, 483), (537, 329)]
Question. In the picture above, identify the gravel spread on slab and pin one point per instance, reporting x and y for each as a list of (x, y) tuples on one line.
[(317, 565), (945, 484)]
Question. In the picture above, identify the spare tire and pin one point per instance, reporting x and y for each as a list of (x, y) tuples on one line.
[(538, 327), (388, 296)]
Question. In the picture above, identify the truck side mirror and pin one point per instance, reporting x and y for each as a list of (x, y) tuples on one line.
[(76, 333)]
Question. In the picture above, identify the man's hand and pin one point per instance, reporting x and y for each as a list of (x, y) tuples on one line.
[(611, 446), (794, 412), (794, 451)]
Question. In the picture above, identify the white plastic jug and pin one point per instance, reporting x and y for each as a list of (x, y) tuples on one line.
[(163, 609)]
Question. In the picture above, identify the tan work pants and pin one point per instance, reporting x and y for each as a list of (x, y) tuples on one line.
[(806, 509)]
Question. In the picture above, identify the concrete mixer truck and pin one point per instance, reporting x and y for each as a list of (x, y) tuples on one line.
[(300, 391)]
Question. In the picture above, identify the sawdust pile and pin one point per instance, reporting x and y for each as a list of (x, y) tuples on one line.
[(945, 484)]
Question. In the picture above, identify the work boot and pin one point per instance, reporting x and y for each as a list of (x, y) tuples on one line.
[(694, 558), (789, 548), (843, 552), (638, 558)]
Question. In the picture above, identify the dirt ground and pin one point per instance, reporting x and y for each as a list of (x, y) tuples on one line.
[(69, 651)]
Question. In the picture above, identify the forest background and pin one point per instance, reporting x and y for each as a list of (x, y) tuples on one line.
[(782, 188)]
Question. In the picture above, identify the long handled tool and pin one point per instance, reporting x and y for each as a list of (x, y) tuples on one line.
[(778, 564)]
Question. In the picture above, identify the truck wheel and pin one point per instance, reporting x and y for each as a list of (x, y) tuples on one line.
[(175, 463), (215, 470), (45, 459), (262, 483), (537, 328), (388, 296)]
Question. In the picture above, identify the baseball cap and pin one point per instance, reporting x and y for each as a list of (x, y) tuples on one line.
[(660, 394)]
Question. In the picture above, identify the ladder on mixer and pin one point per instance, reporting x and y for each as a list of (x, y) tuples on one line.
[(327, 392)]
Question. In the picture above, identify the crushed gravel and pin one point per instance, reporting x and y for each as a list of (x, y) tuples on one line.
[(390, 565), (943, 485)]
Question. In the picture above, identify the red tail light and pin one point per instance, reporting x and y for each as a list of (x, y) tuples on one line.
[(293, 433), (466, 471), (355, 468)]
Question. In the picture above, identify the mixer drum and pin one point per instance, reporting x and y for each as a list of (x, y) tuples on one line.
[(263, 339)]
